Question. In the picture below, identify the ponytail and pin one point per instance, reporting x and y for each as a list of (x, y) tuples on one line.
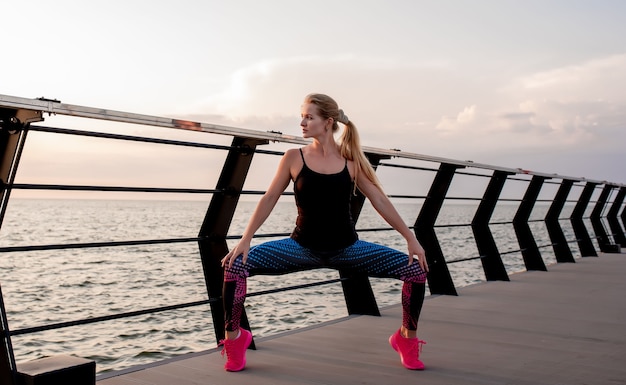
[(350, 147)]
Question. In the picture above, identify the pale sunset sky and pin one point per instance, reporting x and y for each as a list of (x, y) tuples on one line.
[(535, 84)]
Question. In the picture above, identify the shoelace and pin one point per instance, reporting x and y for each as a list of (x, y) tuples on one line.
[(416, 348), (223, 344)]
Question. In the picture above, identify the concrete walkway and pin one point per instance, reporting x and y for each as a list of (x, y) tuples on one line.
[(566, 326)]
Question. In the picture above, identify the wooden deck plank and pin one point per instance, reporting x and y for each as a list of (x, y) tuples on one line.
[(564, 326)]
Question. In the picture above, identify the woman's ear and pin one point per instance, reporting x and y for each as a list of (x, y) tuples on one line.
[(329, 123)]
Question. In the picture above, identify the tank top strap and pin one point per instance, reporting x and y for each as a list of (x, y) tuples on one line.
[(302, 156)]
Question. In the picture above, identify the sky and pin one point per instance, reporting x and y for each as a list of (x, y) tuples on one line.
[(537, 85)]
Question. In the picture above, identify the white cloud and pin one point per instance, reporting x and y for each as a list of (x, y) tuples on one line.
[(570, 107), (278, 86), (597, 79), (463, 119), (574, 105)]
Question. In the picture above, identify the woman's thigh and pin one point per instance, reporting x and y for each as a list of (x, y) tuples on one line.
[(280, 257), (378, 261)]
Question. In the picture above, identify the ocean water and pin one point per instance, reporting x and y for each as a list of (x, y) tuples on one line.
[(43, 287)]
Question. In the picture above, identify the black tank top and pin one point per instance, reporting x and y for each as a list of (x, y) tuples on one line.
[(324, 220)]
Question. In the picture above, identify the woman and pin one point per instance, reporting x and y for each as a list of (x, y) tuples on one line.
[(325, 175)]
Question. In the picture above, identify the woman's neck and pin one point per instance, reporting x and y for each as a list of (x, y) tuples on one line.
[(325, 148)]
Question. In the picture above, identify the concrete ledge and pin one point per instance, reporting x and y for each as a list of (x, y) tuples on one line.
[(57, 370)]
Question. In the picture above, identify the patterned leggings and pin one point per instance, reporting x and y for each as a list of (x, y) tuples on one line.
[(287, 256)]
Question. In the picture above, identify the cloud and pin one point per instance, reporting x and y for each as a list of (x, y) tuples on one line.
[(438, 108), (567, 107), (573, 105), (594, 79), (278, 86), (463, 118)]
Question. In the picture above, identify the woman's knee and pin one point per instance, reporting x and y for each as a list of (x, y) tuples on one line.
[(237, 271)]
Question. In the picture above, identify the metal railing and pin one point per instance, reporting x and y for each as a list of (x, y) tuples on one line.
[(19, 117)]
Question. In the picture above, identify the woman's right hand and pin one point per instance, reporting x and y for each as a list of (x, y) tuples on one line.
[(242, 248)]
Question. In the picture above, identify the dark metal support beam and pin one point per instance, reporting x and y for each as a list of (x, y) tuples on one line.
[(217, 221), (562, 252), (8, 368), (525, 238), (618, 231), (13, 124), (578, 224), (357, 289), (439, 279), (604, 240), (623, 216), (492, 261)]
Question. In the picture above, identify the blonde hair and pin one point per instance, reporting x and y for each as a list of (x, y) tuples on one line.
[(349, 142)]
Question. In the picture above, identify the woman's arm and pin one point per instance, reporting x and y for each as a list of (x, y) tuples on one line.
[(266, 204), (385, 208)]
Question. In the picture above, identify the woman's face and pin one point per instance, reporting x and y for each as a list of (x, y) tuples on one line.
[(313, 125)]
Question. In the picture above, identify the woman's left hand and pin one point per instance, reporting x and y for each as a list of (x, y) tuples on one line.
[(417, 251)]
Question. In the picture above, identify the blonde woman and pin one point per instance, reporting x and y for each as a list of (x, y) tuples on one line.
[(325, 175)]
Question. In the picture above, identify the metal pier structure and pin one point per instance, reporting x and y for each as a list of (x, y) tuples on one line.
[(597, 219)]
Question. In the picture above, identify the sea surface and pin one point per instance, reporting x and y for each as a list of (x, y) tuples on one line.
[(43, 287)]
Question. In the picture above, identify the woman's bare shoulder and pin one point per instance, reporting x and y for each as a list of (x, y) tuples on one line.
[(292, 155), (293, 161)]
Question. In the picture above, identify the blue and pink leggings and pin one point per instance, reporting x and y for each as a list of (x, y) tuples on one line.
[(287, 256)]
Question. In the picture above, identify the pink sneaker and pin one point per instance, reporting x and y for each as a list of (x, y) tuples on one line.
[(236, 351), (409, 350)]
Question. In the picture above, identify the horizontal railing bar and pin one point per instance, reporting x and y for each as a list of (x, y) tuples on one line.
[(472, 174), (295, 287), (513, 251), (64, 246), (407, 167), (464, 198), (501, 223), (63, 187), (86, 321), (466, 259), (453, 225), (51, 106), (144, 139), (9, 249), (400, 196)]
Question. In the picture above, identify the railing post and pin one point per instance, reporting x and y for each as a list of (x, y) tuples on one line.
[(357, 290), (616, 228), (8, 369), (582, 235), (439, 279), (530, 251), (562, 252), (488, 250), (623, 216), (217, 221), (604, 240), (13, 124)]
